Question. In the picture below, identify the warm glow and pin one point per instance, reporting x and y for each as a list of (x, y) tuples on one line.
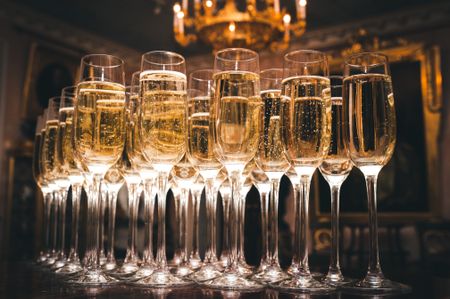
[(232, 27), (302, 2), (176, 8), (286, 19), (209, 3), (180, 15)]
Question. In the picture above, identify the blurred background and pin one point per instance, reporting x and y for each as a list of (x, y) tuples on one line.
[(41, 43)]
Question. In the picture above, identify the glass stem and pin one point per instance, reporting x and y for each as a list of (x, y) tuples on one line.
[(297, 220), (264, 228), (112, 201), (241, 229), (209, 194), (149, 205), (162, 193), (184, 197), (273, 208), (133, 202), (303, 229), (195, 239), (226, 202), (47, 211), (56, 200), (101, 227), (334, 270), (76, 194), (374, 273), (93, 219), (233, 221), (177, 208), (62, 221)]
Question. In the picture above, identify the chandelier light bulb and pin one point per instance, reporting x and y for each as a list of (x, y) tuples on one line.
[(232, 27), (209, 3), (302, 3), (286, 19), (176, 8)]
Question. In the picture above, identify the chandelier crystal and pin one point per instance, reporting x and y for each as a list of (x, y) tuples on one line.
[(266, 25)]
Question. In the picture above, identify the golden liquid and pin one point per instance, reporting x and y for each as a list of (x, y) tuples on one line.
[(306, 119), (369, 109), (41, 157), (66, 149), (238, 116), (133, 140), (50, 161), (163, 128), (271, 156), (36, 158), (200, 130), (337, 161), (100, 124)]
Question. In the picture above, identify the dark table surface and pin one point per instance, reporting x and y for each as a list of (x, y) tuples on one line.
[(26, 280)]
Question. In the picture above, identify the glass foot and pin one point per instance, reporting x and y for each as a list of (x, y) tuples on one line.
[(182, 270), (336, 280), (70, 268), (144, 271), (376, 286), (161, 279), (244, 269), (109, 265), (58, 264), (270, 274), (205, 273), (233, 281), (93, 278), (124, 271), (303, 284), (41, 258), (195, 262)]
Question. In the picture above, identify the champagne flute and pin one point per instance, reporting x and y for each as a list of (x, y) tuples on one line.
[(237, 111), (50, 172), (272, 161), (306, 134), (99, 136), (369, 117), (335, 168), (37, 175), (162, 131), (146, 172), (200, 150), (74, 173)]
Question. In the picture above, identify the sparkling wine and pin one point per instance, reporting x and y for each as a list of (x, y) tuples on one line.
[(238, 116), (306, 123), (271, 156), (100, 123), (49, 151), (200, 130), (36, 157), (370, 112), (163, 126), (337, 161)]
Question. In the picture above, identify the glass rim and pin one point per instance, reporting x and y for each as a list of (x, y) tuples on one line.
[(192, 75), (120, 61), (270, 70), (245, 50), (168, 53), (132, 76), (323, 56), (64, 92), (384, 57)]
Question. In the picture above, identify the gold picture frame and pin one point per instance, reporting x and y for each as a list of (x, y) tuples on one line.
[(428, 57)]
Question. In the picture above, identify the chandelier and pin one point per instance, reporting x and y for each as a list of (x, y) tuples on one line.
[(224, 25)]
